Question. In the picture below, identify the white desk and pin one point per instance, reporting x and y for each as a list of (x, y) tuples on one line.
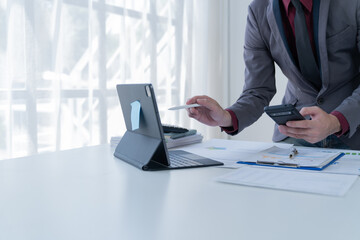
[(89, 194)]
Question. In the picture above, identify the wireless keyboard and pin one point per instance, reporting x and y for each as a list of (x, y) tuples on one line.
[(173, 129)]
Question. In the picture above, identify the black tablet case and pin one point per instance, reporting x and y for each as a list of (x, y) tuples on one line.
[(138, 147)]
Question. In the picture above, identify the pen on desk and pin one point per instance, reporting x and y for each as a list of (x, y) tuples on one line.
[(293, 152)]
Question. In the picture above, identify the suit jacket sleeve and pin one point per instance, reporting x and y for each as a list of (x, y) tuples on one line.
[(259, 87), (350, 107)]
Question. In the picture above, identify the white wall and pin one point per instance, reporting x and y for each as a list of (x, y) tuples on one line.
[(262, 129)]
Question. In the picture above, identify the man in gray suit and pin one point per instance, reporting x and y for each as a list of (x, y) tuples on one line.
[(327, 90)]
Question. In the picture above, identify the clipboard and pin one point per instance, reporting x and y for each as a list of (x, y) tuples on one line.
[(306, 159)]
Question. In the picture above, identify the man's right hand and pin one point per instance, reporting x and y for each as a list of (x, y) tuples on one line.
[(209, 113)]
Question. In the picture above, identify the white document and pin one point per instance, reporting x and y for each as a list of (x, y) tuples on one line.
[(348, 164), (299, 181), (230, 152)]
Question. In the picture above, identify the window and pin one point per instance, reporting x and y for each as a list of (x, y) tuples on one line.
[(62, 60)]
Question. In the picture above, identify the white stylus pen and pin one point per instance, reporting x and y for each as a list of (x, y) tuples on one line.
[(184, 106)]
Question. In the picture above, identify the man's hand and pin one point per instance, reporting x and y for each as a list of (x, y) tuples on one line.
[(210, 112), (319, 127)]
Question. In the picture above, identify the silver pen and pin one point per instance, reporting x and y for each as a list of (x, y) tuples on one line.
[(185, 106), (293, 152)]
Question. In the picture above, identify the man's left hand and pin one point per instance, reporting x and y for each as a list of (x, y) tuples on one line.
[(319, 127)]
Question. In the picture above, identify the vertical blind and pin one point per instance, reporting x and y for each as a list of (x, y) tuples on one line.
[(60, 61)]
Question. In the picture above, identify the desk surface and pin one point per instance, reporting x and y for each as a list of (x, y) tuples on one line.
[(89, 194)]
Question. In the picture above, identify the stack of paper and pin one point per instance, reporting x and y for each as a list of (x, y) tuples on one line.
[(170, 143), (114, 141)]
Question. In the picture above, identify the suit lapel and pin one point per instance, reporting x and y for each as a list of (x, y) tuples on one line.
[(322, 24), (279, 25), (316, 10), (276, 14), (277, 28), (320, 15)]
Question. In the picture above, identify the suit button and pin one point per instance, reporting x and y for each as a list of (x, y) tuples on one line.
[(320, 101)]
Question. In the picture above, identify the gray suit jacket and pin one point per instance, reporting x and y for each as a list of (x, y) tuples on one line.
[(337, 37)]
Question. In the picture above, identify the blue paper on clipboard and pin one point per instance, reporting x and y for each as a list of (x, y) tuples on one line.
[(306, 158)]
